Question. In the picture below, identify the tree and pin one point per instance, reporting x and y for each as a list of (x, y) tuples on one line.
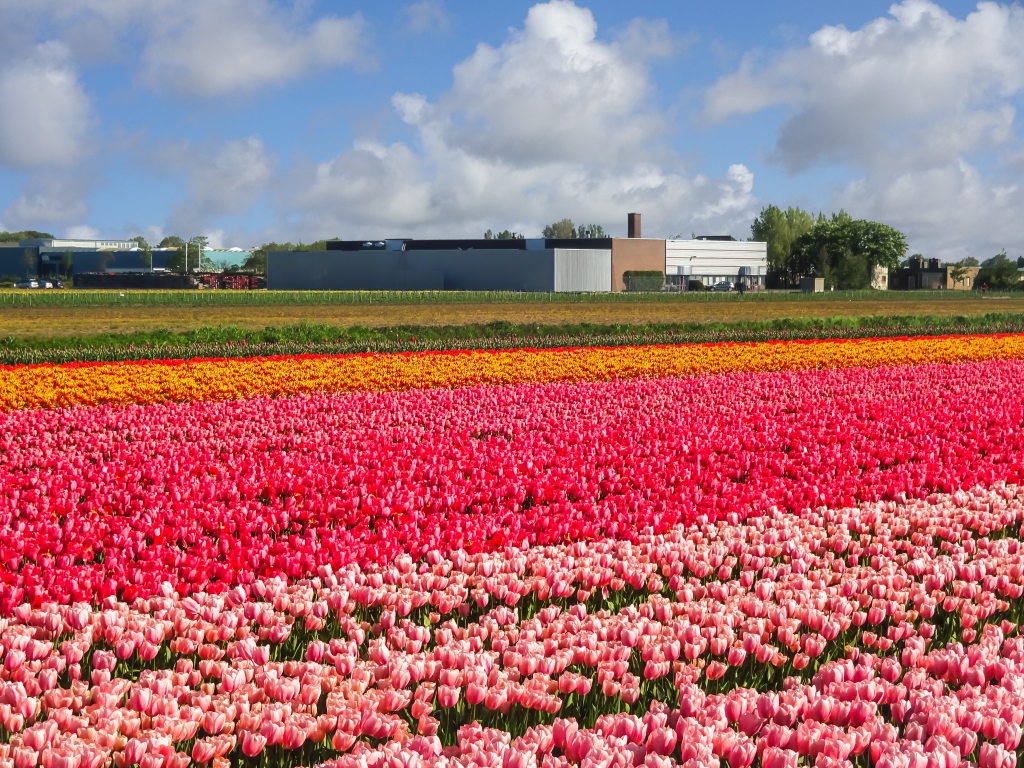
[(960, 268), (257, 261), (999, 272), (560, 230), (197, 258), (146, 253), (845, 251), (780, 229), (104, 260), (28, 260), (504, 235), (171, 241), (591, 230), (26, 234), (66, 262)]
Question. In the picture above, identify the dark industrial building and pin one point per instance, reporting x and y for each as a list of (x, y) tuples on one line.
[(21, 262), (553, 265)]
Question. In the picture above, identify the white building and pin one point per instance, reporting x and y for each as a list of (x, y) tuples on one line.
[(713, 259), (58, 244)]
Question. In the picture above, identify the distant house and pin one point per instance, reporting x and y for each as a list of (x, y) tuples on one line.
[(931, 275)]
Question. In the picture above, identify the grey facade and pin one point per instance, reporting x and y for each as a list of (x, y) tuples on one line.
[(100, 261), (13, 266), (545, 269)]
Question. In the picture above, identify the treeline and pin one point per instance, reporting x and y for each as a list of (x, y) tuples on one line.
[(842, 250), (26, 234)]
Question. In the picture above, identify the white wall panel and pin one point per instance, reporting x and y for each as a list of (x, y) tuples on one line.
[(584, 269), (715, 257)]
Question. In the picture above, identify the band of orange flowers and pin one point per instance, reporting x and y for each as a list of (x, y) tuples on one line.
[(49, 386)]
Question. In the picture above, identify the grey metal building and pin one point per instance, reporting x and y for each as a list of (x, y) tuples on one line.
[(461, 265)]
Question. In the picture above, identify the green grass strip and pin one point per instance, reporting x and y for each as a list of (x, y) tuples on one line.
[(308, 338)]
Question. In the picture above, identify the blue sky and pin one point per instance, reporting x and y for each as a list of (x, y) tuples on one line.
[(251, 120)]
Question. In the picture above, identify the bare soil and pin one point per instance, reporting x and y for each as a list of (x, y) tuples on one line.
[(80, 321)]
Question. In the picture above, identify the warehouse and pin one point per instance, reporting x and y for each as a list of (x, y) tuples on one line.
[(715, 258), (553, 265)]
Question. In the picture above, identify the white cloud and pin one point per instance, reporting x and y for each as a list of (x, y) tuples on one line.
[(554, 122), (218, 47), (82, 232), (220, 181), (425, 16), (50, 198), (206, 48), (46, 113), (913, 103)]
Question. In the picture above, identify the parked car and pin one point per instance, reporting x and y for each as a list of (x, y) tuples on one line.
[(27, 284), (45, 284), (723, 285), (58, 283)]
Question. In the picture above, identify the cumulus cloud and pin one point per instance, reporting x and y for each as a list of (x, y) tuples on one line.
[(46, 112), (209, 48), (227, 46), (220, 181), (554, 122), (915, 103), (425, 16), (82, 232), (50, 197)]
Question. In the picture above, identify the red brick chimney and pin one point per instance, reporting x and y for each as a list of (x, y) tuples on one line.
[(633, 224)]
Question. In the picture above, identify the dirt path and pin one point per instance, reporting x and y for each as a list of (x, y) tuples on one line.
[(52, 321)]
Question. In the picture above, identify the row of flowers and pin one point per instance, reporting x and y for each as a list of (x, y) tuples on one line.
[(883, 631), (314, 340), (50, 386), (108, 501)]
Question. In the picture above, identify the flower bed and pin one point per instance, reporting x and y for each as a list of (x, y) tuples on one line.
[(800, 555), (208, 495), (50, 386), (878, 631)]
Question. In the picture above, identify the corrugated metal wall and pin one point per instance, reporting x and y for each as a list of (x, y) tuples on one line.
[(458, 270), (584, 269)]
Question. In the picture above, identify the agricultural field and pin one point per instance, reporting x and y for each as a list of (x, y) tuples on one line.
[(95, 312), (772, 553)]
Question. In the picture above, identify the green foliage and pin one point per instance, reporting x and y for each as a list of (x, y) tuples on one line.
[(643, 280), (1000, 273), (961, 268), (844, 251), (560, 230), (257, 262), (146, 253), (587, 231), (503, 235), (27, 234), (780, 229), (28, 261), (66, 263), (172, 241)]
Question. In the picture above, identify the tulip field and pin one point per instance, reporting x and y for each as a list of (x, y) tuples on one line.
[(712, 556)]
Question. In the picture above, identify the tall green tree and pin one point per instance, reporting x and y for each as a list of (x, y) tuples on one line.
[(145, 252), (67, 261), (560, 230), (844, 251), (780, 229), (588, 231), (28, 260), (999, 273)]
